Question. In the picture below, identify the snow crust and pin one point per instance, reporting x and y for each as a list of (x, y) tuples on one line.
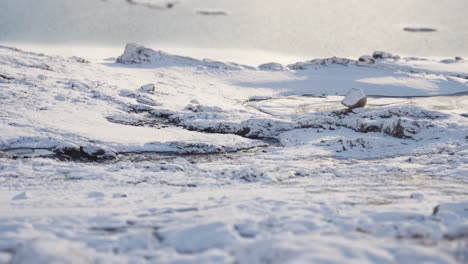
[(168, 159)]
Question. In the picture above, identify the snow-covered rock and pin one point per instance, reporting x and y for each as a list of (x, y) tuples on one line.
[(355, 98), (137, 54), (384, 55), (366, 59), (272, 66), (147, 101), (148, 88), (87, 152), (321, 62)]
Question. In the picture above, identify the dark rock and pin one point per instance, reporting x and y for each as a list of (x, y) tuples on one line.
[(90, 152), (384, 55), (321, 62), (6, 77), (366, 59), (136, 54), (402, 128), (369, 128), (147, 101), (419, 29), (243, 132)]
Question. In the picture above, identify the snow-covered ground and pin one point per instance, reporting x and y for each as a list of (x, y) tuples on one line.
[(154, 157)]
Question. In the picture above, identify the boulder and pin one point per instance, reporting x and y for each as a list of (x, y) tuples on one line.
[(355, 98)]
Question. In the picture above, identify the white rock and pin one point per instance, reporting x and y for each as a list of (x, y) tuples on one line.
[(355, 98), (149, 88)]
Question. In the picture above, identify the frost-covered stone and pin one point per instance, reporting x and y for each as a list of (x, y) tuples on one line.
[(384, 55), (69, 150), (141, 108), (5, 77), (79, 59), (367, 59), (417, 196), (137, 54), (355, 98), (321, 62), (148, 88), (147, 101), (128, 93), (95, 152), (88, 152), (272, 66), (197, 108)]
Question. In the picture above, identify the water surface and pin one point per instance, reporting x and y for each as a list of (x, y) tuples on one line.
[(306, 28)]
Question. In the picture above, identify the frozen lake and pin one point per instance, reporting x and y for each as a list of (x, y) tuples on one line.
[(299, 28)]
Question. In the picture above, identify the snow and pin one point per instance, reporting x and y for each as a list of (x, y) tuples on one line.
[(164, 158), (51, 251)]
